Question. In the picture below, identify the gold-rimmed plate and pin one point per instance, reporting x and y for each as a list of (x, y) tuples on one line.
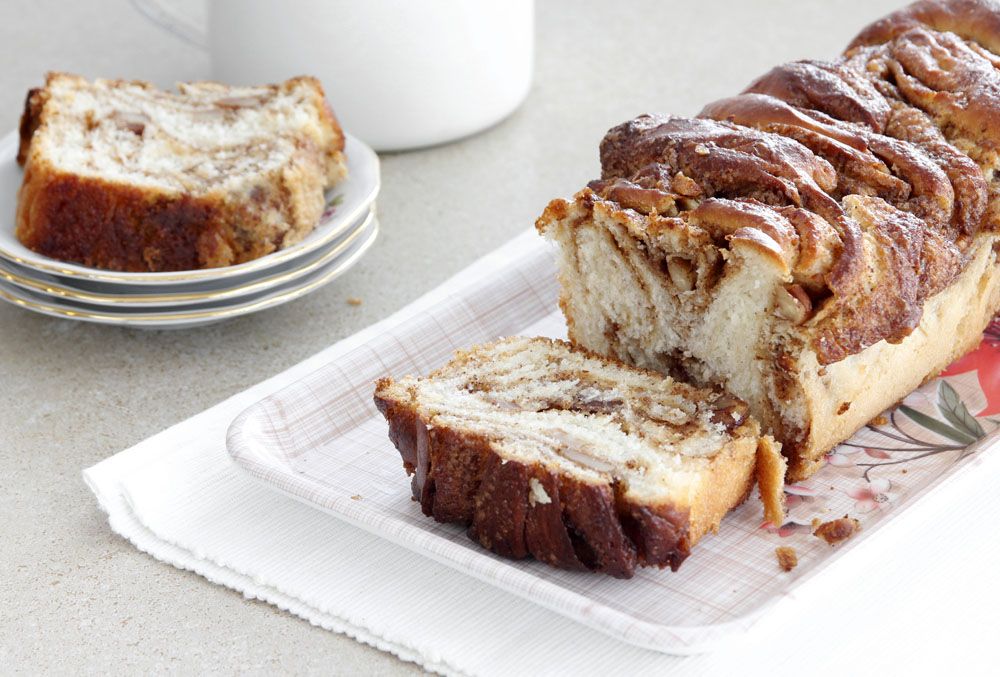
[(187, 317), (346, 203), (147, 297)]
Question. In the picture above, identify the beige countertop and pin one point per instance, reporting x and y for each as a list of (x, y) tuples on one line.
[(74, 596)]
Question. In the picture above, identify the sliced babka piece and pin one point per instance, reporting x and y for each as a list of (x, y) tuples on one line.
[(543, 449), (124, 176)]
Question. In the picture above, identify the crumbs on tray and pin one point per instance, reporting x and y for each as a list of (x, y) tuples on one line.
[(787, 558), (838, 530)]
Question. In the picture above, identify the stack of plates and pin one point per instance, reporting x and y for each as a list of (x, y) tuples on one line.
[(346, 230)]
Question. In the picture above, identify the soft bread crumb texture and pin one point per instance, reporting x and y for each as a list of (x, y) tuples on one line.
[(573, 434), (121, 175)]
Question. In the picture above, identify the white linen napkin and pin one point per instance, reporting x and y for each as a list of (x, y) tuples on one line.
[(899, 600)]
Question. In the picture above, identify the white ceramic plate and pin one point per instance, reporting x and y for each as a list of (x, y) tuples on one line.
[(150, 298), (195, 315), (321, 441), (348, 200)]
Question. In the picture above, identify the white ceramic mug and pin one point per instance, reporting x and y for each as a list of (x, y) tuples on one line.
[(398, 73)]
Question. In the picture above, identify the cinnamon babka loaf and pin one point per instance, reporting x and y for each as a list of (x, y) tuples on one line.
[(545, 450), (818, 245), (123, 176)]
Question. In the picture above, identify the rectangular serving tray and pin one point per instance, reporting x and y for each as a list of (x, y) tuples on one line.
[(321, 441)]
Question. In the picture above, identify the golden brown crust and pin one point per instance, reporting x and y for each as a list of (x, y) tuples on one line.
[(115, 225), (725, 218), (30, 119), (843, 147), (771, 468), (830, 87), (969, 186), (111, 225), (121, 227), (458, 477), (893, 305), (957, 85), (723, 159), (971, 19), (907, 175)]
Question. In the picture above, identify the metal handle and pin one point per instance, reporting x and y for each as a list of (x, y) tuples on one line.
[(166, 18)]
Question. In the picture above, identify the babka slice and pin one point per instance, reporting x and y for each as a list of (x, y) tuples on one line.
[(543, 449), (123, 176)]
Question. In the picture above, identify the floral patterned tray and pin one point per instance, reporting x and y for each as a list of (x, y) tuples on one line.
[(321, 441), (935, 427)]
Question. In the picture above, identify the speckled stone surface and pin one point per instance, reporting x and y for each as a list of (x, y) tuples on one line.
[(74, 596)]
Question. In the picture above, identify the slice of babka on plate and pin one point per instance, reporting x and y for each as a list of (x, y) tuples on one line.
[(546, 450), (123, 176)]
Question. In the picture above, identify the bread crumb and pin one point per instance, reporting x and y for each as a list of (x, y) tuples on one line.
[(537, 493), (787, 558), (879, 420), (904, 471), (838, 530), (353, 301), (356, 497), (816, 522)]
